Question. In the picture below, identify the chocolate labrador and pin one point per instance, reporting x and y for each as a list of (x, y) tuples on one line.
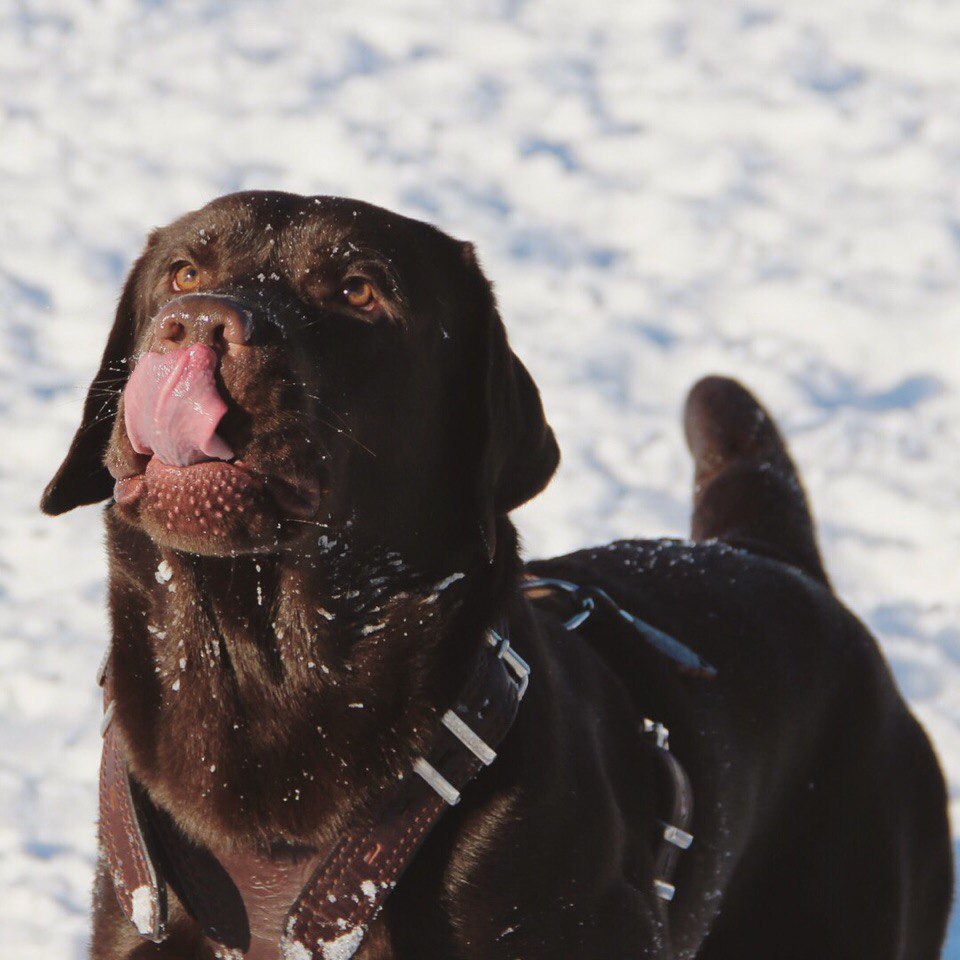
[(311, 429)]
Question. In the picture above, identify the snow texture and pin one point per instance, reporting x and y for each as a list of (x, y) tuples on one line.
[(294, 950), (142, 913), (660, 190), (344, 947)]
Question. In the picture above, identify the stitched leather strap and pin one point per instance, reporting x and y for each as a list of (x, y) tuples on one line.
[(332, 912), (124, 830), (331, 916), (241, 899)]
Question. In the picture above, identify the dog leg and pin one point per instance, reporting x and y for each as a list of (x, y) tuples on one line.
[(747, 490)]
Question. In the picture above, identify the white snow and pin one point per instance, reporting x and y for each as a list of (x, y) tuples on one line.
[(660, 191), (143, 909), (344, 946), (294, 950)]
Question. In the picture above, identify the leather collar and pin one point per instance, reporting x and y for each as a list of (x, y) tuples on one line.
[(305, 905)]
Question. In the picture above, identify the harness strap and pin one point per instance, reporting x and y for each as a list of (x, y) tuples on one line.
[(591, 598), (335, 895), (124, 826), (674, 788), (673, 836), (335, 909)]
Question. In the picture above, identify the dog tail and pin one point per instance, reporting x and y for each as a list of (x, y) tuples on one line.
[(747, 490)]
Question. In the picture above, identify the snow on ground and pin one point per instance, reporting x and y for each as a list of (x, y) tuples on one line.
[(660, 190)]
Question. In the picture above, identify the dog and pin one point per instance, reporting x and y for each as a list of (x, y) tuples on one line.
[(311, 430)]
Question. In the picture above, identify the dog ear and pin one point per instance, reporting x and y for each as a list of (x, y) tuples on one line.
[(519, 452), (82, 478)]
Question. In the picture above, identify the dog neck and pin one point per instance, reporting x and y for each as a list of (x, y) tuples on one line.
[(265, 699)]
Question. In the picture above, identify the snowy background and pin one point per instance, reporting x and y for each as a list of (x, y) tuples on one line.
[(660, 190)]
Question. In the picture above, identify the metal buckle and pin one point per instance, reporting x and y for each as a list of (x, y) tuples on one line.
[(588, 604), (578, 618), (107, 718), (679, 838), (437, 781), (102, 668), (469, 738), (659, 731), (515, 663), (664, 890)]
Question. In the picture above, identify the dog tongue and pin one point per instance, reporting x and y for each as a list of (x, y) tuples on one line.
[(172, 407)]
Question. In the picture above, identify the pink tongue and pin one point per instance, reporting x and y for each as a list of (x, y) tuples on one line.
[(172, 407)]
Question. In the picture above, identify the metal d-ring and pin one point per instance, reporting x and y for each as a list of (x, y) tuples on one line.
[(587, 603)]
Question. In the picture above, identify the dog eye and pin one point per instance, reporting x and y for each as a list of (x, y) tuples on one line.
[(359, 293), (185, 277)]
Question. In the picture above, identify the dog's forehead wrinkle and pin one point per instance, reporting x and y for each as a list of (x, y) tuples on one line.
[(286, 235), (238, 254)]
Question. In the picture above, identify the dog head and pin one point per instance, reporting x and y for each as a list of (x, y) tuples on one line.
[(281, 366)]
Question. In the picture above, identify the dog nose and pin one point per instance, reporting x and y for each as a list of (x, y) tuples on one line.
[(213, 320)]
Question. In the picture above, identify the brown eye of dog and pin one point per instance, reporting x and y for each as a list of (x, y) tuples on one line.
[(359, 293), (186, 277)]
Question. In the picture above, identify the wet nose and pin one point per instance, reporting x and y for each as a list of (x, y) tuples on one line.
[(215, 321)]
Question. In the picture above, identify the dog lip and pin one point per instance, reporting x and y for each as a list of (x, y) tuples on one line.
[(130, 485), (298, 500), (127, 490)]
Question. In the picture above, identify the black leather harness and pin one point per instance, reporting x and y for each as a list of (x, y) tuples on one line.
[(315, 904), (672, 834)]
